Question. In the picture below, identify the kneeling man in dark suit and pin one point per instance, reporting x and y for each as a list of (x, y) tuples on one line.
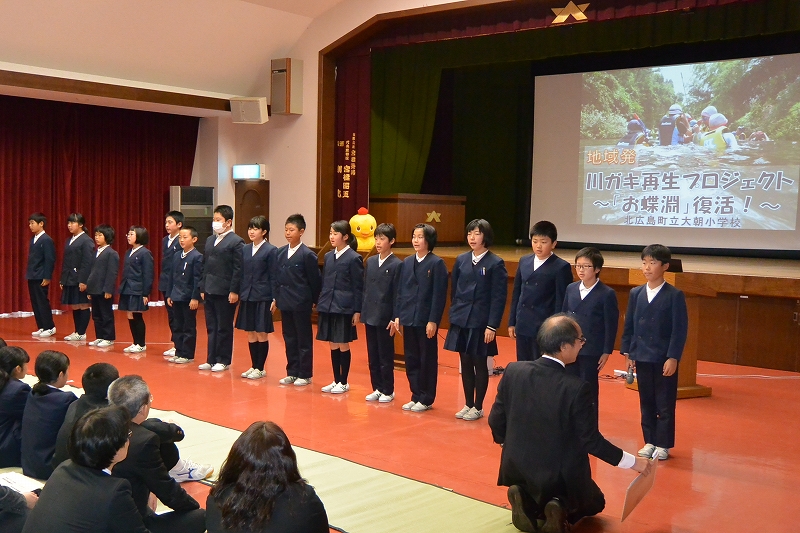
[(545, 420)]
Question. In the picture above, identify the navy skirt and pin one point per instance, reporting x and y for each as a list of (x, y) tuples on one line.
[(469, 341), (336, 327), (71, 295), (132, 302), (255, 316)]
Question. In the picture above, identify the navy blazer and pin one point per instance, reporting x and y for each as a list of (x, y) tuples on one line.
[(538, 294), (103, 274), (478, 292), (257, 273), (422, 291), (655, 331), (41, 258), (44, 414), (380, 290), (183, 282), (222, 266), (77, 261), (138, 272), (13, 398), (342, 283), (168, 253), (597, 314), (297, 278)]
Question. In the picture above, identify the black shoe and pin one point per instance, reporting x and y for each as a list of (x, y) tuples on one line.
[(556, 518), (518, 516)]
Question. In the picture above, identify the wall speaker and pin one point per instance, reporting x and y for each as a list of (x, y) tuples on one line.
[(247, 110), (286, 96)]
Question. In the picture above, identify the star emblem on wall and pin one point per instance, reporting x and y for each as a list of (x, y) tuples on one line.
[(571, 9)]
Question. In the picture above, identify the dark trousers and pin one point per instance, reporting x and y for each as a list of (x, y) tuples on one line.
[(170, 316), (103, 317), (422, 363), (527, 348), (657, 397), (593, 503), (184, 329), (299, 340), (175, 522), (380, 352), (41, 304), (219, 325), (586, 368)]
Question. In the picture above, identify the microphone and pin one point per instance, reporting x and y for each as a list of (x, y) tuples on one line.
[(629, 376)]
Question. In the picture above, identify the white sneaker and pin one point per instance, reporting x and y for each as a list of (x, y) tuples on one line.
[(647, 451), (47, 333), (129, 348), (288, 380), (170, 352), (328, 388), (409, 405), (464, 410), (104, 344), (386, 398), (74, 336), (256, 374), (662, 454), (302, 382), (37, 332), (95, 342), (373, 396), (137, 349), (181, 361), (340, 388), (204, 366), (187, 470), (219, 367), (473, 414), (247, 372), (420, 407)]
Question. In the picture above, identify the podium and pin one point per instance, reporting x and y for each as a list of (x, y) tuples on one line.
[(443, 212)]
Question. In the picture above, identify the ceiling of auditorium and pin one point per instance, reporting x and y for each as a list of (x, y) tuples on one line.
[(306, 8)]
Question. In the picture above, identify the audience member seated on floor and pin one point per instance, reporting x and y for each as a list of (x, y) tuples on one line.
[(260, 490), (14, 508), (545, 419), (151, 455), (44, 413), (82, 496), (13, 396), (95, 382)]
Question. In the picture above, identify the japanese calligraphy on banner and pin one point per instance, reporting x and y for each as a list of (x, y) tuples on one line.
[(345, 172), (655, 186)]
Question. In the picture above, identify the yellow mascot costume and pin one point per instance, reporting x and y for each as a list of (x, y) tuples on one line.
[(363, 225)]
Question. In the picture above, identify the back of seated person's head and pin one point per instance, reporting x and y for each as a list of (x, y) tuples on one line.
[(259, 467), (130, 392), (2, 343), (49, 366), (11, 357), (98, 435), (97, 378)]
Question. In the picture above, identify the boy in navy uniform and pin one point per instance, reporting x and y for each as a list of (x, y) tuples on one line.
[(539, 287), (183, 295), (380, 287), (656, 326), (101, 286), (41, 262), (297, 286), (593, 304), (173, 222)]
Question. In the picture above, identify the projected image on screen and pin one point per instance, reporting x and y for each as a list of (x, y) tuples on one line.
[(712, 145)]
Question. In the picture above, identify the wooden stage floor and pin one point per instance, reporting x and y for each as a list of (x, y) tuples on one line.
[(735, 466)]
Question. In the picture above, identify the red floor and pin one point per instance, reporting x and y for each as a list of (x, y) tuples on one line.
[(735, 466)]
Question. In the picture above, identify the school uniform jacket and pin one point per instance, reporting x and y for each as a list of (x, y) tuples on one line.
[(422, 291), (168, 253), (380, 289), (478, 292), (597, 314), (103, 274), (44, 414), (222, 266), (655, 331), (183, 282), (257, 273), (538, 294), (77, 261), (13, 398), (41, 258), (297, 278), (137, 273), (342, 283)]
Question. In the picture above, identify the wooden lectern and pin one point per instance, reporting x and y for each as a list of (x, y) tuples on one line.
[(445, 213)]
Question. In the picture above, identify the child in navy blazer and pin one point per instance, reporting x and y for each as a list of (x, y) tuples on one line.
[(13, 397), (170, 247), (44, 413), (477, 301), (339, 303), (539, 286), (137, 282), (594, 305), (381, 279), (255, 316), (41, 263), (297, 286), (101, 286), (656, 326), (421, 295), (183, 295), (75, 268)]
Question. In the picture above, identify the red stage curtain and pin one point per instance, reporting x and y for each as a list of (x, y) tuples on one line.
[(114, 166)]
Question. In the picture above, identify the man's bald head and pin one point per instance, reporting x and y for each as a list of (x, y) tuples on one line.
[(559, 337)]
